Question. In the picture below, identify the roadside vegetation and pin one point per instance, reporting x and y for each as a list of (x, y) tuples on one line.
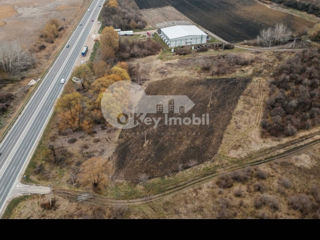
[(49, 34), (15, 62), (78, 111)]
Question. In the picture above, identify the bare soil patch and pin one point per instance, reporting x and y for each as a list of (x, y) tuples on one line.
[(145, 151), (7, 11), (157, 16), (234, 20), (26, 18)]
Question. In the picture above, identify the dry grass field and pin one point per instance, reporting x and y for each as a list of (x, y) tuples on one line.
[(286, 188), (23, 20)]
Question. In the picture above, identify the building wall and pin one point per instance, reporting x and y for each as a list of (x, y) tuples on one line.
[(185, 41)]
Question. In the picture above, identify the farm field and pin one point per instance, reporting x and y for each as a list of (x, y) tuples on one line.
[(148, 152), (233, 20)]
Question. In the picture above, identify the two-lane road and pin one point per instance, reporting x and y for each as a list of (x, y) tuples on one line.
[(19, 144)]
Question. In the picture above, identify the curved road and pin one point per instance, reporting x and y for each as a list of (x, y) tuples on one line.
[(21, 141)]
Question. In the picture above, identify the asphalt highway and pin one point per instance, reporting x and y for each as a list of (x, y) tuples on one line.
[(21, 141)]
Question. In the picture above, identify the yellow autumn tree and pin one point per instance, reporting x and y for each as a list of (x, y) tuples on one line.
[(87, 126), (112, 4), (69, 110), (84, 73), (101, 84), (100, 68), (109, 42), (123, 65), (122, 73), (95, 172), (51, 30)]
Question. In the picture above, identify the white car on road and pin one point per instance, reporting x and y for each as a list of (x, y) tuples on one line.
[(62, 81)]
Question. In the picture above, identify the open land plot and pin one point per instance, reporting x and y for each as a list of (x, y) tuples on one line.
[(212, 196), (24, 19), (158, 16), (272, 190), (234, 131), (233, 20), (145, 151), (285, 188)]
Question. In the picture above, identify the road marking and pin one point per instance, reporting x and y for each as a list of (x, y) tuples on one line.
[(43, 101)]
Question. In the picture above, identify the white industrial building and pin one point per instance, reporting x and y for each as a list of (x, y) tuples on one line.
[(182, 35)]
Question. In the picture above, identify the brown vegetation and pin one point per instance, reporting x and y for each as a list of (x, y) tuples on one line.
[(224, 64), (153, 152), (315, 33), (14, 59), (109, 42), (309, 6), (273, 36), (137, 49), (294, 101), (123, 14), (51, 31)]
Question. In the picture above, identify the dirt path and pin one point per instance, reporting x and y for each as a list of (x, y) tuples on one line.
[(275, 153)]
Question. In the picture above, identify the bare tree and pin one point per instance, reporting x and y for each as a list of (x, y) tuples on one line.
[(14, 59), (276, 35)]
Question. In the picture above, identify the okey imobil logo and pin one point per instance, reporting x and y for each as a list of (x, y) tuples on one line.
[(125, 105)]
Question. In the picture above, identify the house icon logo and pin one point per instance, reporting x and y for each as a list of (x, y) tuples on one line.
[(125, 105)]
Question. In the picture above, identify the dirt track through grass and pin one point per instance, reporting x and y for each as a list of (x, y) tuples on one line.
[(292, 148)]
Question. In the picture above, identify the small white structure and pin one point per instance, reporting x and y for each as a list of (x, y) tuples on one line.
[(125, 33), (182, 35)]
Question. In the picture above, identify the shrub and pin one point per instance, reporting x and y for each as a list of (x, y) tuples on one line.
[(183, 50), (294, 102), (267, 200), (51, 31), (224, 211), (315, 33), (238, 193), (259, 187), (301, 203), (137, 49), (241, 176), (225, 181), (285, 182), (260, 174), (50, 204), (315, 191), (72, 140)]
